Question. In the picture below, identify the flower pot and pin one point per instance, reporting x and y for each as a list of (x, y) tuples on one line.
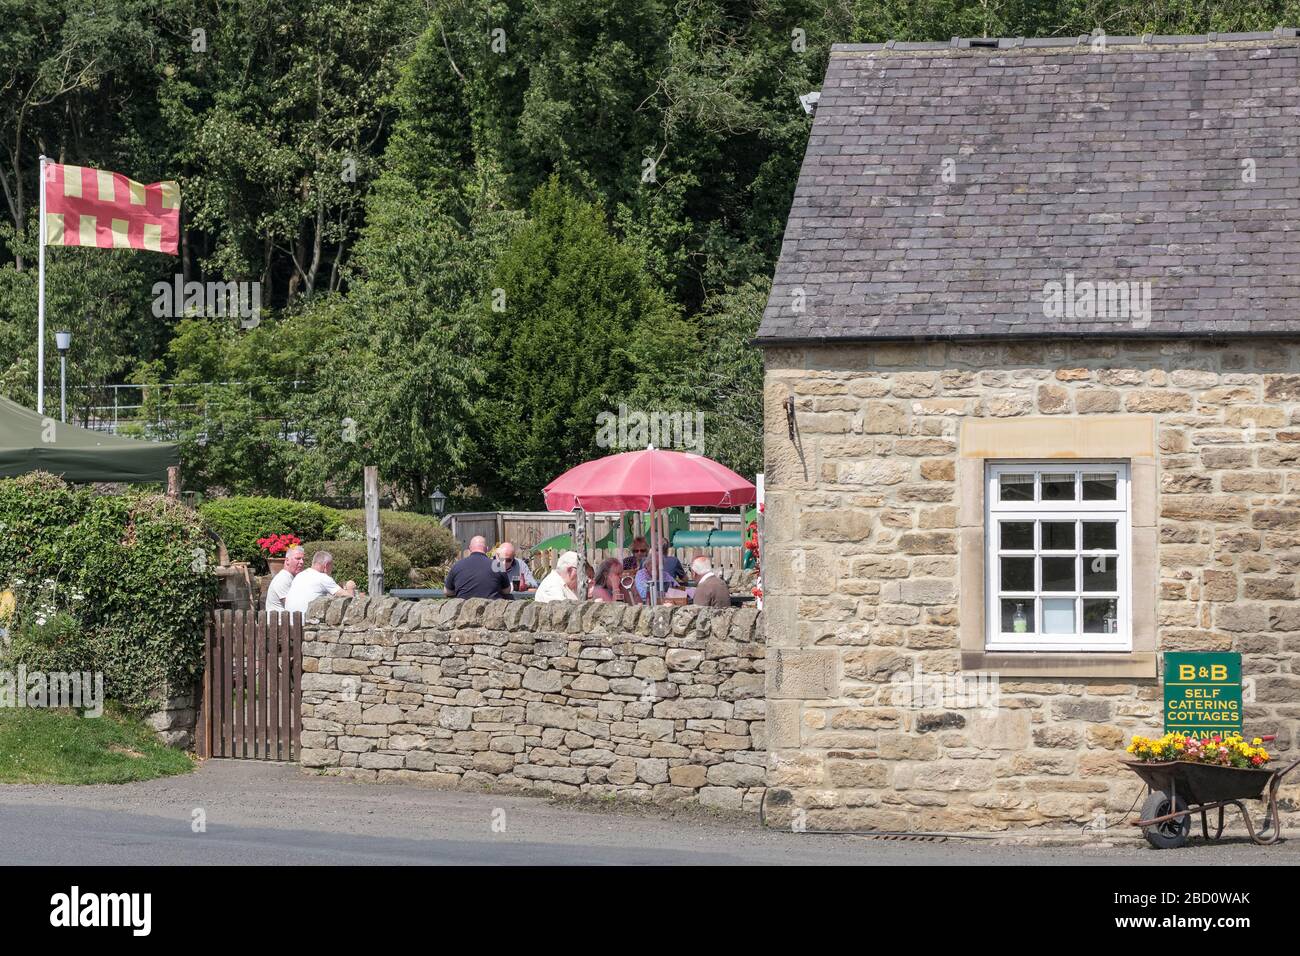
[(275, 564)]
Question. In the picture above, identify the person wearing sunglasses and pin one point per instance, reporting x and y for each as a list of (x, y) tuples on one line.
[(640, 550)]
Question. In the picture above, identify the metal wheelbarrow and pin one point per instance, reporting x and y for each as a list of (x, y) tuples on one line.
[(1179, 788)]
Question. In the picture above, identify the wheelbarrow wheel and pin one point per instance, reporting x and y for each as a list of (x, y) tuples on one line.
[(1171, 833)]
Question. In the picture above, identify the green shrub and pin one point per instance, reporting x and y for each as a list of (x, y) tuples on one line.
[(240, 521), (425, 541), (54, 643), (350, 563), (113, 583)]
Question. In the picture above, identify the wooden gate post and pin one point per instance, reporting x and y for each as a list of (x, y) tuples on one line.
[(374, 552)]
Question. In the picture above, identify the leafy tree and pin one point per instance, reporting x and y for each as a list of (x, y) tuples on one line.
[(622, 171), (729, 376), (574, 309)]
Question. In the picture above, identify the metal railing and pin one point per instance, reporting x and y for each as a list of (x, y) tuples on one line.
[(129, 404)]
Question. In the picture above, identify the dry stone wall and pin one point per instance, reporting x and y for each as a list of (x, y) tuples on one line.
[(660, 705)]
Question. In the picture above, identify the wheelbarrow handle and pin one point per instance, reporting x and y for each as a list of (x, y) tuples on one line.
[(1279, 774)]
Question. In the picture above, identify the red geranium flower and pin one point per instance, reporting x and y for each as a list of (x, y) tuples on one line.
[(276, 544)]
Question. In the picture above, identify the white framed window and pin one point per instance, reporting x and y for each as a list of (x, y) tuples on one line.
[(1058, 554)]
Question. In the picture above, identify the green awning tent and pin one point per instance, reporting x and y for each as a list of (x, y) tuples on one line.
[(76, 454)]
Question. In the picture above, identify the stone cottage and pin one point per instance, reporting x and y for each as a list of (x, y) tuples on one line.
[(1032, 405)]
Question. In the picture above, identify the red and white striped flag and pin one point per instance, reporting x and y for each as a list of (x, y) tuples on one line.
[(93, 207)]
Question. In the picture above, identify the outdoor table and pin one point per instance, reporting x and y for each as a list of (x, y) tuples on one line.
[(425, 594)]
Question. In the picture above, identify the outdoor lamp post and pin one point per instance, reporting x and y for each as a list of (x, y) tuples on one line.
[(64, 342), (438, 501)]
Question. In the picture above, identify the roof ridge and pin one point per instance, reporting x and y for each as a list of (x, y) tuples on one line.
[(1147, 40)]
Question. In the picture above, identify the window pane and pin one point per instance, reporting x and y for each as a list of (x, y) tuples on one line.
[(1099, 536), (1017, 617), (1058, 488), (1058, 536), (1058, 616), (1017, 536), (1099, 486), (1099, 616), (1016, 487), (1058, 574), (1017, 574), (1099, 573)]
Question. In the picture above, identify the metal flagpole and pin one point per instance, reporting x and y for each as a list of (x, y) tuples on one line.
[(40, 301)]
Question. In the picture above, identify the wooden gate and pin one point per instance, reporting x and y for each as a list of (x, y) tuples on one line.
[(252, 686)]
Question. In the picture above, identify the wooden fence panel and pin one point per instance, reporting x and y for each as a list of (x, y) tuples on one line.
[(252, 686)]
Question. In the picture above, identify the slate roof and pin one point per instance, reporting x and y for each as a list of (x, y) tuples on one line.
[(1069, 165)]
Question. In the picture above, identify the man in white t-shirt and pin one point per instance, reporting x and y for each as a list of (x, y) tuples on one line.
[(278, 589), (316, 582)]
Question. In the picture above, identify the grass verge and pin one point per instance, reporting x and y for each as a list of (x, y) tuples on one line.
[(58, 746)]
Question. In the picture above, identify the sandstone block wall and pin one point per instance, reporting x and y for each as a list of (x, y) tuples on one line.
[(658, 705), (863, 571)]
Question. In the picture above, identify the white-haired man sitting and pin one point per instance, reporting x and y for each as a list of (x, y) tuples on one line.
[(710, 590), (562, 583), (316, 582)]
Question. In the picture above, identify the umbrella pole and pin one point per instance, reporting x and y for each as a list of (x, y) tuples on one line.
[(651, 574), (580, 545)]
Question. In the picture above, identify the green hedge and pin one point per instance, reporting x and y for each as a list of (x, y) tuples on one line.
[(113, 583), (350, 563), (240, 521), (426, 542)]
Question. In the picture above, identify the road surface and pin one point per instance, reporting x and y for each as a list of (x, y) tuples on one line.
[(271, 814)]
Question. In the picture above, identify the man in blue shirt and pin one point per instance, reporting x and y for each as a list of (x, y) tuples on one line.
[(473, 576)]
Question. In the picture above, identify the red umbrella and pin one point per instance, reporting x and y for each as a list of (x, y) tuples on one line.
[(647, 480)]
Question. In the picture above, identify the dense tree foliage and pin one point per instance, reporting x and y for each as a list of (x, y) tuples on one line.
[(476, 223)]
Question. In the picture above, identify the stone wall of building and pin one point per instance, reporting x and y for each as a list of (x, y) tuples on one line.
[(863, 572), (662, 705)]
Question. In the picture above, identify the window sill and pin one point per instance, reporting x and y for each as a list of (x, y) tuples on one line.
[(1074, 649), (1048, 664)]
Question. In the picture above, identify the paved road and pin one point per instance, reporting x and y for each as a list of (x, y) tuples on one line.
[(264, 814)]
